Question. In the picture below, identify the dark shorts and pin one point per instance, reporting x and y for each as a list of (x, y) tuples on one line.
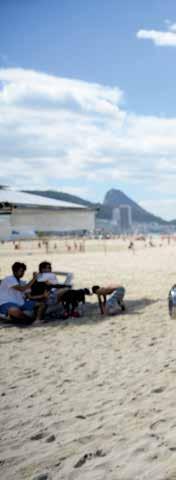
[(28, 305)]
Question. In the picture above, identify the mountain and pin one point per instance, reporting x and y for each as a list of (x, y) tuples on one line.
[(113, 199), (67, 197)]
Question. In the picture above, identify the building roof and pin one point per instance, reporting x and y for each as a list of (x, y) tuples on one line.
[(21, 199)]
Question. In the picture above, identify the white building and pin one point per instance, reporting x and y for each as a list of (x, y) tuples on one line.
[(116, 216), (24, 213), (125, 218)]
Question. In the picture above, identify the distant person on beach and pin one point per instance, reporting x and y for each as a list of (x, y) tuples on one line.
[(151, 244), (131, 247), (109, 306), (68, 247), (13, 302)]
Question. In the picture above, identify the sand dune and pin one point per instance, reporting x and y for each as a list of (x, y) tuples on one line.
[(94, 398)]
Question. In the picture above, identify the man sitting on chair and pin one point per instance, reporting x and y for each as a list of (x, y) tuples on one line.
[(47, 290)]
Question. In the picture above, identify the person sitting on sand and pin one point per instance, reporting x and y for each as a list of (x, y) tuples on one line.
[(109, 306), (46, 274), (46, 290), (12, 294)]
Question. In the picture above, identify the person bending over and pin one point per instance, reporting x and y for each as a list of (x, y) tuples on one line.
[(109, 306), (12, 294)]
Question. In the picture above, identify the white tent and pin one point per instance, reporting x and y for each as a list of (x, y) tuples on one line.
[(25, 212)]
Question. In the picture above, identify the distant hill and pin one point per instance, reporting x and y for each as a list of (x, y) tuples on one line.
[(66, 197), (113, 198)]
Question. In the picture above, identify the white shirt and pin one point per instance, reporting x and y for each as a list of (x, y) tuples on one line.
[(52, 278), (48, 276), (8, 293)]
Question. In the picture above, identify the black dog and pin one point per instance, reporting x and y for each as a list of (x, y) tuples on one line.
[(38, 288), (72, 298)]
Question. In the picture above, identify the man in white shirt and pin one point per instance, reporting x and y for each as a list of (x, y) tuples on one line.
[(46, 274), (44, 289), (12, 294)]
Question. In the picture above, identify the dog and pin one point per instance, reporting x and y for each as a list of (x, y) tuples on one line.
[(38, 288), (71, 299)]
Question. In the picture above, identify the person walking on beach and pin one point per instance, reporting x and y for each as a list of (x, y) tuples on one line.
[(131, 247), (110, 306)]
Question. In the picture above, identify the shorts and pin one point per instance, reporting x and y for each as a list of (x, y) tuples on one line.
[(116, 296), (52, 299), (28, 306)]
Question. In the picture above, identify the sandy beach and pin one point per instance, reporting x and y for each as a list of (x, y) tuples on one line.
[(93, 398)]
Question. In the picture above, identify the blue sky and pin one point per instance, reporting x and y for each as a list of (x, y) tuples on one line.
[(87, 98)]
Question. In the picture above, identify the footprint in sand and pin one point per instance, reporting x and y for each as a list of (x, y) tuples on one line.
[(42, 476), (153, 457), (158, 427), (51, 438), (139, 450), (89, 456), (38, 436), (158, 390)]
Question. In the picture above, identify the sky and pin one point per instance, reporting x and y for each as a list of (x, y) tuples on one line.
[(87, 98)]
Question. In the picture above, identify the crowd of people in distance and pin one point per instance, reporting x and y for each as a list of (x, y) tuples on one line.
[(33, 301)]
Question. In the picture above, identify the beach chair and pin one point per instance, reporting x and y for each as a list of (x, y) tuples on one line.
[(68, 277), (56, 311)]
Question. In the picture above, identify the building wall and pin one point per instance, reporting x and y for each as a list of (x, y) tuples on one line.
[(116, 216), (125, 217), (5, 226), (60, 220)]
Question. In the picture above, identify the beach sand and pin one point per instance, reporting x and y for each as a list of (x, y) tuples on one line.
[(93, 398)]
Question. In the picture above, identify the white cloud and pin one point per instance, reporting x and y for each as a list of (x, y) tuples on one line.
[(172, 27), (160, 38), (56, 131)]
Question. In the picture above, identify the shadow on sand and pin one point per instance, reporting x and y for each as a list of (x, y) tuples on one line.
[(134, 307), (92, 315)]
